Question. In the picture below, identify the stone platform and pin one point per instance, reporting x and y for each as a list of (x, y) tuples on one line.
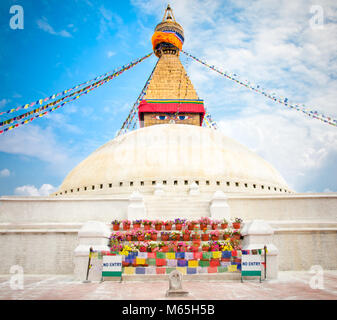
[(290, 285)]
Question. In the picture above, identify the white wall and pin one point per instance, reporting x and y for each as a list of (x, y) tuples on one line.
[(40, 234)]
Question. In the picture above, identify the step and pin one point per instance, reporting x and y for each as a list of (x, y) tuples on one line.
[(226, 276)]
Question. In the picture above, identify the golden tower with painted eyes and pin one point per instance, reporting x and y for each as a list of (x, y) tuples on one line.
[(170, 97)]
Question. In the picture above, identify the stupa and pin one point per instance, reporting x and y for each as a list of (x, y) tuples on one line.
[(171, 147), (171, 167)]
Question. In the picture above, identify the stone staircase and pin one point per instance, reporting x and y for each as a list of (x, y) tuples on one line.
[(169, 207)]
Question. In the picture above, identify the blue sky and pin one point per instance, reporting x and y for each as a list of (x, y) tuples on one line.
[(272, 43)]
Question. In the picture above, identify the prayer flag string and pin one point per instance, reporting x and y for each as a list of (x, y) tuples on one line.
[(61, 102), (128, 122), (52, 97), (258, 89)]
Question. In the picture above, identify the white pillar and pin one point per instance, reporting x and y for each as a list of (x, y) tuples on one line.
[(136, 208), (257, 234), (92, 234), (219, 207)]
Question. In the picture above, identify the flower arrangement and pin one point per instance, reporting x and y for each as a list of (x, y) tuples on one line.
[(147, 235), (115, 221), (204, 220), (214, 224), (129, 235), (205, 247), (227, 246), (165, 235), (237, 223), (168, 225), (182, 247), (214, 234), (191, 224), (158, 224), (179, 223), (175, 236), (152, 247), (215, 247), (147, 222), (204, 236), (126, 250), (237, 234), (117, 236), (227, 233), (136, 223), (126, 224)]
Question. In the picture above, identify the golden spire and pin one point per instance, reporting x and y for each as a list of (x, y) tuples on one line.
[(170, 96), (168, 35)]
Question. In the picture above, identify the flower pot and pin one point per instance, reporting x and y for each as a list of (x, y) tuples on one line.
[(168, 226), (224, 225), (115, 227), (237, 236), (190, 227), (236, 225), (177, 237), (158, 227), (186, 237), (195, 248), (141, 238), (153, 236), (164, 249), (197, 242), (226, 236), (205, 248), (203, 226), (126, 226), (147, 226), (215, 238), (195, 237), (164, 237), (136, 225), (214, 226), (205, 237), (179, 226), (128, 238)]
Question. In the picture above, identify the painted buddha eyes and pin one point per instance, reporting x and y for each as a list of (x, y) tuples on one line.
[(183, 117), (179, 117), (161, 117)]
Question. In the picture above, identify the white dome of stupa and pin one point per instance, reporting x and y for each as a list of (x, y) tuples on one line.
[(175, 156)]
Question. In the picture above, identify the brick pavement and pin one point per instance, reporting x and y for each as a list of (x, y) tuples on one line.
[(289, 285)]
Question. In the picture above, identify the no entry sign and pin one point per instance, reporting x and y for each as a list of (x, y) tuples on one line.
[(251, 265), (112, 266)]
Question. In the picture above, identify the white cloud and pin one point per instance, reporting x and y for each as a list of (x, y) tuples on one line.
[(5, 173), (3, 102), (30, 190), (45, 26), (110, 54), (271, 44), (33, 141)]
